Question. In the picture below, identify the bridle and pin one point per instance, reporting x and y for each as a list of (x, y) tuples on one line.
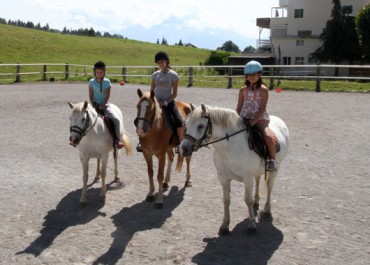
[(204, 140), (147, 124), (85, 130)]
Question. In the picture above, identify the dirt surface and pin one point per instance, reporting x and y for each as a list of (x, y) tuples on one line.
[(320, 202)]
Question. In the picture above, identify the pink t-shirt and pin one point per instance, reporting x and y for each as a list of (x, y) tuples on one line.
[(252, 104)]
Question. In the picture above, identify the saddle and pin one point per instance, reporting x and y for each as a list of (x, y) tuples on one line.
[(170, 123), (256, 142)]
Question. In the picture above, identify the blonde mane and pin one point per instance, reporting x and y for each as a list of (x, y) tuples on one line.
[(224, 117)]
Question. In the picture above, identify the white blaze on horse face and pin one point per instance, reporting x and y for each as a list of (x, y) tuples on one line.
[(140, 126)]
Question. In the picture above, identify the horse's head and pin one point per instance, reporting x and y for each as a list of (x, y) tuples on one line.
[(79, 121), (198, 129), (148, 112)]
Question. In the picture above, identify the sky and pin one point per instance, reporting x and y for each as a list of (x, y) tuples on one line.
[(204, 23)]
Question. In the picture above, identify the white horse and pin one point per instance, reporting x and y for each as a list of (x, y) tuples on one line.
[(233, 159), (92, 138)]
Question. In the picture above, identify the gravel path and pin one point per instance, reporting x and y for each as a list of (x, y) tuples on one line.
[(320, 203)]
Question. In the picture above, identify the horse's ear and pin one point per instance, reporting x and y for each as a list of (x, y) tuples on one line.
[(192, 106), (204, 109), (152, 95), (85, 105), (139, 92), (71, 105)]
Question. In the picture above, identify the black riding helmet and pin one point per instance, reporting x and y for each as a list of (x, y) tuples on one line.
[(99, 65), (161, 56)]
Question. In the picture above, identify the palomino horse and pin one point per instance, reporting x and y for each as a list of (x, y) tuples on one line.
[(155, 139), (93, 140), (233, 159)]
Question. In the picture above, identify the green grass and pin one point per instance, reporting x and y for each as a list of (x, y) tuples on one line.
[(21, 45)]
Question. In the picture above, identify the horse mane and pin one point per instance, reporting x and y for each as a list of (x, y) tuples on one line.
[(77, 108), (224, 117)]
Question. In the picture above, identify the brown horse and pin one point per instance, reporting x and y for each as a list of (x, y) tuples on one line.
[(156, 139)]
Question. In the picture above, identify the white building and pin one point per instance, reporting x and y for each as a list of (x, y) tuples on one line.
[(295, 27)]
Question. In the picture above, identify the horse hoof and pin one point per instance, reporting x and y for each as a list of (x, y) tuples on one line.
[(165, 186), (223, 231), (158, 205), (251, 230), (188, 184), (150, 198), (96, 180), (117, 180), (83, 204), (266, 216)]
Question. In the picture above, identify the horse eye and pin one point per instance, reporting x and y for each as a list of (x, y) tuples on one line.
[(83, 119), (200, 126)]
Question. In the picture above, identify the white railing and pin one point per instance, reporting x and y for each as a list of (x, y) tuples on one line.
[(225, 72)]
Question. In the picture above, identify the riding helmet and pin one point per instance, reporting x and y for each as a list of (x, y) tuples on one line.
[(252, 67), (161, 56), (99, 65)]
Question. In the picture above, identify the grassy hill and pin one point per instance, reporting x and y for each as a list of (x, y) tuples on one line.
[(21, 45)]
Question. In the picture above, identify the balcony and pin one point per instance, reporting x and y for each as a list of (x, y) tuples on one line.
[(263, 22), (263, 46)]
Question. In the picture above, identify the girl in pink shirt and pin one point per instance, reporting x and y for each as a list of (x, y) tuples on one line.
[(252, 104)]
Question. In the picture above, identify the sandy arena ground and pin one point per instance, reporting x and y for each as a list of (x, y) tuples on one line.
[(320, 203)]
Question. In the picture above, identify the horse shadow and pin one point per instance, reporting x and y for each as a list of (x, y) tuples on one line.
[(139, 217), (241, 248), (66, 214)]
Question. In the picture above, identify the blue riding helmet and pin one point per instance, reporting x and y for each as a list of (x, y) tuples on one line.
[(252, 67)]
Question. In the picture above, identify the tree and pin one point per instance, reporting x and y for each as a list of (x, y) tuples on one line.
[(180, 43), (340, 43), (164, 41), (218, 58), (363, 30), (229, 46), (250, 48)]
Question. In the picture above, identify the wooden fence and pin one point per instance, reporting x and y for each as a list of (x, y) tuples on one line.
[(227, 73)]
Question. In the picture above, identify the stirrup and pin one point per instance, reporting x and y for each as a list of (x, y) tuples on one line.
[(138, 148), (271, 165)]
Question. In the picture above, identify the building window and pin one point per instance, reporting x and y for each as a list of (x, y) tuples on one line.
[(304, 33), (287, 60), (347, 10), (299, 60), (298, 13), (299, 42)]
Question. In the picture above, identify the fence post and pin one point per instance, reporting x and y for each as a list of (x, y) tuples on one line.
[(124, 72), (44, 73), (318, 73), (67, 71), (271, 73), (18, 76), (230, 78), (191, 72)]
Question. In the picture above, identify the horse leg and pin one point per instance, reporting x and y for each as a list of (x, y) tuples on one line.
[(97, 175), (85, 177), (103, 176), (115, 157), (170, 156), (248, 198), (256, 201), (224, 229), (161, 163), (266, 213), (188, 175), (149, 163)]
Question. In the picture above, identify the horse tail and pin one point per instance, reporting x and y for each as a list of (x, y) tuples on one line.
[(127, 144), (179, 163)]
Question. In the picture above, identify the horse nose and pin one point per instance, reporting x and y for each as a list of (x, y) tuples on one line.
[(186, 150)]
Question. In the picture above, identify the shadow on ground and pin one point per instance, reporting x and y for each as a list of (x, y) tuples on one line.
[(139, 217), (241, 248), (67, 213)]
